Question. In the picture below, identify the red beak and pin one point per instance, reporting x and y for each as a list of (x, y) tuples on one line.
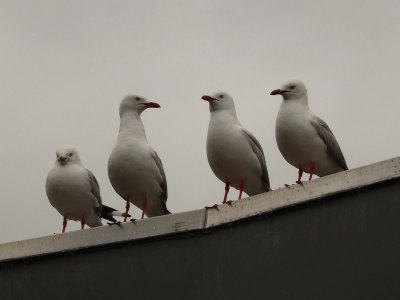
[(61, 158), (207, 98), (153, 104), (277, 92)]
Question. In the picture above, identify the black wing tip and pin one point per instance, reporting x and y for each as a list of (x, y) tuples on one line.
[(267, 187), (108, 217), (107, 211)]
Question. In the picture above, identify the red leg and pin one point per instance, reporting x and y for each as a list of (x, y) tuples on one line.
[(226, 192), (126, 209), (225, 196), (83, 222), (241, 189), (144, 207), (312, 170), (64, 224), (300, 174)]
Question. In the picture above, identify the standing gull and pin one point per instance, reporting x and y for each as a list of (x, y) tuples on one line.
[(74, 192), (134, 168), (305, 141), (234, 154)]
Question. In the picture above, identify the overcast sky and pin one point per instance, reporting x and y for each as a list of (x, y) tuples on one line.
[(66, 65)]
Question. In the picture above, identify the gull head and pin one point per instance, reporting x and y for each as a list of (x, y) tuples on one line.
[(292, 90), (135, 103), (220, 101), (67, 154)]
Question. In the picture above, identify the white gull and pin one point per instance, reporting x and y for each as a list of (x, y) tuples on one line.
[(305, 140), (74, 191), (234, 154), (134, 168)]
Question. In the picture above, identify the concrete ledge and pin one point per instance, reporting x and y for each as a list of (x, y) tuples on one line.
[(99, 236), (308, 191), (201, 219)]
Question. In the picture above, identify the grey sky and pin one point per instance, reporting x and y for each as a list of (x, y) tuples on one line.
[(66, 65)]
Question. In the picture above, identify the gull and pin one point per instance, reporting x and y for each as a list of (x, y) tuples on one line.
[(234, 154), (134, 168), (74, 191), (305, 140)]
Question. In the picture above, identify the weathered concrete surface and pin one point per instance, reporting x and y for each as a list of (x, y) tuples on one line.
[(99, 236)]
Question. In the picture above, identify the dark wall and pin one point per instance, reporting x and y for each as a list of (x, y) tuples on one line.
[(341, 247)]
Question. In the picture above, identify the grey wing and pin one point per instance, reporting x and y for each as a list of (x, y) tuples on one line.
[(329, 139), (95, 189), (163, 182), (257, 149)]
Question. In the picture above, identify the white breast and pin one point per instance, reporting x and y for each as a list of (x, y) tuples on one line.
[(135, 175), (230, 155), (298, 140), (69, 191)]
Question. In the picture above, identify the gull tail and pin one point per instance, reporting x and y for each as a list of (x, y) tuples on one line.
[(108, 213)]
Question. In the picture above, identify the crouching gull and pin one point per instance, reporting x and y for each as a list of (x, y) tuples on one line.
[(234, 154), (134, 168), (74, 192), (305, 141)]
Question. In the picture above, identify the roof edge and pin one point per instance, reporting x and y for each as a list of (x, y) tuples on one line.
[(204, 218)]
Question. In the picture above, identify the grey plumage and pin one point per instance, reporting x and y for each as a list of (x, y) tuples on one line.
[(330, 141), (163, 184), (95, 189), (258, 151)]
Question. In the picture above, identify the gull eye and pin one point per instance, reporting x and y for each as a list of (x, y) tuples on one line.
[(69, 154), (137, 99), (221, 96), (291, 87)]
